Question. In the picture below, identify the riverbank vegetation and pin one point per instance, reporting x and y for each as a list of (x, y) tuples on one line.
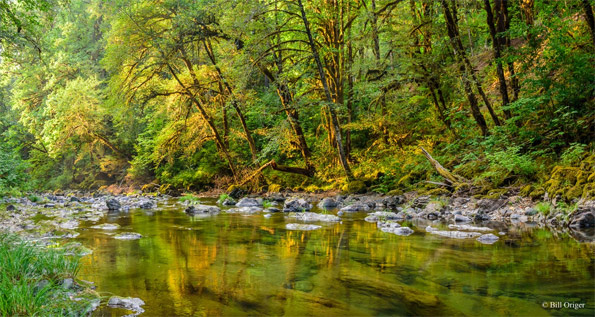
[(37, 280), (302, 95)]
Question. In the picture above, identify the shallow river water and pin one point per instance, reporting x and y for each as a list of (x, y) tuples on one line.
[(233, 264)]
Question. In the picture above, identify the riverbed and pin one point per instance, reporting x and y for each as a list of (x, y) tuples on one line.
[(249, 264)]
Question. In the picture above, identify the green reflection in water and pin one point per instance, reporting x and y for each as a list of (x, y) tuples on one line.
[(232, 264)]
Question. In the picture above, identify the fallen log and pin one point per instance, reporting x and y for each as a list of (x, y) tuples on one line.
[(449, 177), (282, 168)]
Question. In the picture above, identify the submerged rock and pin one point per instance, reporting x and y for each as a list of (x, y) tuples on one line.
[(201, 209), (312, 216), (249, 202), (395, 228), (70, 224), (382, 216), (356, 207), (130, 303), (488, 238), (106, 226), (112, 204), (244, 210), (456, 234), (128, 236), (301, 226), (297, 205), (469, 228)]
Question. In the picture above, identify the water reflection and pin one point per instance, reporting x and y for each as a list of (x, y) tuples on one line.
[(232, 264)]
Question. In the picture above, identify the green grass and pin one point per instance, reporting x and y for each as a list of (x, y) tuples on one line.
[(31, 277), (189, 198), (544, 208), (267, 204)]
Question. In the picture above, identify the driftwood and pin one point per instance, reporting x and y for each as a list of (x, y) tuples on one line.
[(449, 177), (282, 168)]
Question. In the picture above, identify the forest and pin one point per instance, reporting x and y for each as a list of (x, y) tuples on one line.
[(318, 95)]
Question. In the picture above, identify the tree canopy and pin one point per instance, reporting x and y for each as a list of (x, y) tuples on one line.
[(306, 95)]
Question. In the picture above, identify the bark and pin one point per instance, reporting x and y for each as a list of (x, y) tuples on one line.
[(453, 33), (451, 178), (497, 46), (589, 18), (292, 115), (329, 99), (282, 168), (234, 102), (457, 45)]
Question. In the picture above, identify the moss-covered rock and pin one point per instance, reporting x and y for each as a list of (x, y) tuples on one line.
[(537, 193), (395, 192), (274, 188), (438, 192), (355, 187)]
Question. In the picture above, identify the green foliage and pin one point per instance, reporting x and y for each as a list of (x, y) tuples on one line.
[(573, 154), (267, 204), (13, 176), (190, 199), (94, 93), (544, 208), (222, 198)]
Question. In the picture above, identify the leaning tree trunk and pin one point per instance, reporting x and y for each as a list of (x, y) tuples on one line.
[(331, 107), (590, 20)]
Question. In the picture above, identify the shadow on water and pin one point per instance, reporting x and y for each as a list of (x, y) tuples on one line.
[(232, 264)]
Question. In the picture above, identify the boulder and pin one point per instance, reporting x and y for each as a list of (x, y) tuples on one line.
[(201, 209), (327, 203), (229, 202), (130, 303), (382, 216), (11, 208), (358, 206), (297, 205), (147, 204), (461, 218), (249, 202), (112, 204), (582, 218)]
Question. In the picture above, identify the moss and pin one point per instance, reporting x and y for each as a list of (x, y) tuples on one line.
[(274, 188), (355, 187), (405, 180), (574, 192), (438, 192), (589, 191), (495, 193), (526, 190), (395, 192), (537, 193)]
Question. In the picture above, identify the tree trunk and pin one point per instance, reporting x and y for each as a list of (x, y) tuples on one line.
[(329, 99), (496, 44), (589, 18), (234, 103), (457, 46)]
